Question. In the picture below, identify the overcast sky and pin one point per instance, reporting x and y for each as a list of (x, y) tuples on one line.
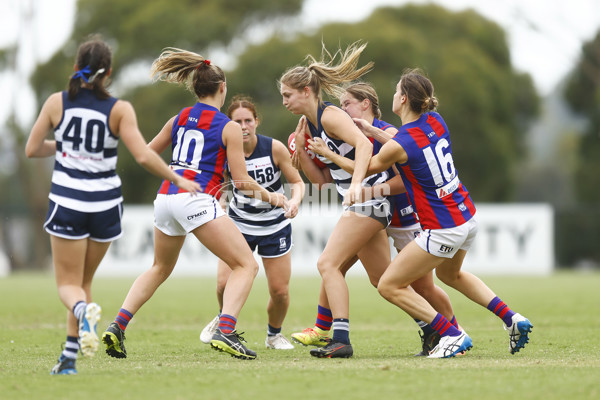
[(545, 36)]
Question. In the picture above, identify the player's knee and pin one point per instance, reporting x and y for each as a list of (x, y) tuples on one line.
[(160, 273), (246, 265), (325, 265), (385, 289), (446, 276), (280, 294), (374, 280), (253, 268)]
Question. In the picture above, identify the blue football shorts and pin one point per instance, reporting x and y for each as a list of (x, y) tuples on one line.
[(272, 246), (101, 226)]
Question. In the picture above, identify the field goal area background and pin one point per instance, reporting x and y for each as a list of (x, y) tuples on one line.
[(513, 239)]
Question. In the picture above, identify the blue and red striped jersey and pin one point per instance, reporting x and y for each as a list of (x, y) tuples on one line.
[(198, 150), (435, 191), (402, 211)]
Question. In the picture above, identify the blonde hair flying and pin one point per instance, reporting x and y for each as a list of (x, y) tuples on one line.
[(197, 73), (324, 74)]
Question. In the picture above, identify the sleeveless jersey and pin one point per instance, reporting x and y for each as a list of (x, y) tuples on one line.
[(198, 150), (402, 211), (341, 178), (253, 216), (84, 176), (440, 199)]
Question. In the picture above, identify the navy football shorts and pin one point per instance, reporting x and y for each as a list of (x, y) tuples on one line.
[(102, 226), (274, 245)]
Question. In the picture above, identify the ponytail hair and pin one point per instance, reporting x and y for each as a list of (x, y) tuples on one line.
[(93, 63), (419, 90), (323, 74), (198, 74)]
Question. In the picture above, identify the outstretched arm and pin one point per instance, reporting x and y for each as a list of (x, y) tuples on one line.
[(390, 187), (319, 146), (382, 136), (232, 138)]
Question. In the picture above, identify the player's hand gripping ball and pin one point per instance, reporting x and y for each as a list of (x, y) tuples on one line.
[(313, 156)]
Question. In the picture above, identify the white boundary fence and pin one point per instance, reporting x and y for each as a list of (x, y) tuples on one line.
[(513, 239)]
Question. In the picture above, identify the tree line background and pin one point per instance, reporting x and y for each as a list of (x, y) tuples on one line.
[(487, 104)]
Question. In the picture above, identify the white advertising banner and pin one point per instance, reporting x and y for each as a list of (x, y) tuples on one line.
[(513, 239)]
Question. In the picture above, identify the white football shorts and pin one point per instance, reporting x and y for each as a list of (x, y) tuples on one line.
[(446, 242), (179, 214), (401, 236)]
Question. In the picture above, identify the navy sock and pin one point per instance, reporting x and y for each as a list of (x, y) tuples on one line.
[(79, 309), (341, 330), (425, 327), (272, 331), (71, 347)]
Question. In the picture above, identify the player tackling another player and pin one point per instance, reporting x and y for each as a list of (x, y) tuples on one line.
[(422, 151), (360, 100), (85, 208)]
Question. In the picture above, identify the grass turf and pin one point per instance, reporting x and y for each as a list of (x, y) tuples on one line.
[(166, 359)]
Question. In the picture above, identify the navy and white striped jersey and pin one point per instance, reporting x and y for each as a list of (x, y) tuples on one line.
[(253, 216), (341, 178), (85, 177)]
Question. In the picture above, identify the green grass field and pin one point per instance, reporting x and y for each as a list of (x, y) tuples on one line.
[(166, 359)]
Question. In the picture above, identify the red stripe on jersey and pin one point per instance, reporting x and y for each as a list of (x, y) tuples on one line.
[(189, 175), (395, 219), (213, 187), (422, 207), (468, 202), (435, 124), (419, 137), (453, 210), (206, 119), (164, 187), (183, 116)]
